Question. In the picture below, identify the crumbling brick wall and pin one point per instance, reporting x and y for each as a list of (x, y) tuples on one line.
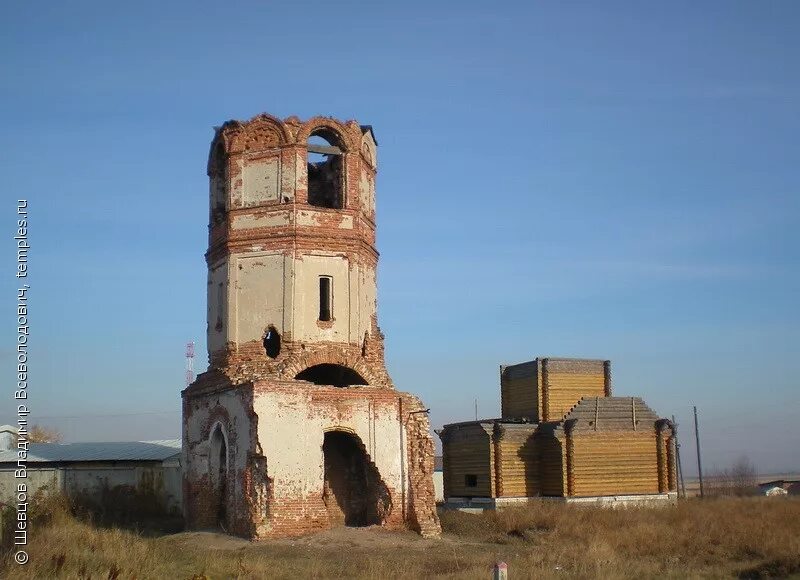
[(420, 449), (268, 243), (204, 411), (278, 473)]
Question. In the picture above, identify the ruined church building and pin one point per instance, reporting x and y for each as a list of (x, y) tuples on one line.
[(296, 426)]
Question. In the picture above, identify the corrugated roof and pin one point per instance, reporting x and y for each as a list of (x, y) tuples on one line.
[(116, 451)]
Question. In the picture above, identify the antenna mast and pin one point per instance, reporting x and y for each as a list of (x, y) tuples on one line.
[(189, 363)]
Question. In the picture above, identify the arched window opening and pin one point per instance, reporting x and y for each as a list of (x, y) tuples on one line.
[(272, 342), (218, 172), (354, 493), (331, 374), (218, 473), (325, 170)]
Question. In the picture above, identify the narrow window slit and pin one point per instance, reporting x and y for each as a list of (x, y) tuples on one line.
[(325, 302)]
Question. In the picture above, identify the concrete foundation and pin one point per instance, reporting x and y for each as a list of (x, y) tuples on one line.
[(479, 504)]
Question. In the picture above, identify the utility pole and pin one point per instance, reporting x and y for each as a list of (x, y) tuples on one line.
[(699, 463), (476, 409), (678, 457)]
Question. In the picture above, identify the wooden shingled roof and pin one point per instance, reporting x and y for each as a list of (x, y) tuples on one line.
[(610, 413)]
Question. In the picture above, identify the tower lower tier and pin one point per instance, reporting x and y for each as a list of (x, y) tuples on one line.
[(275, 458)]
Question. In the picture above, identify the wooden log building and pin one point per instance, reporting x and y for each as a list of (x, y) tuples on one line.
[(562, 434)]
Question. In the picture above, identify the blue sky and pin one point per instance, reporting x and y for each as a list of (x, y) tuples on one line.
[(614, 180)]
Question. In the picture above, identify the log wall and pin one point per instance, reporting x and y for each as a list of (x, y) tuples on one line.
[(612, 462), (552, 464), (565, 381), (468, 450), (519, 391), (667, 472), (517, 461)]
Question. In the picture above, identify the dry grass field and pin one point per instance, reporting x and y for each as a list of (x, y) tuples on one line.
[(721, 538)]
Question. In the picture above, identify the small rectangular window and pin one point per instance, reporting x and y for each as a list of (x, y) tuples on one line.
[(470, 480), (325, 298)]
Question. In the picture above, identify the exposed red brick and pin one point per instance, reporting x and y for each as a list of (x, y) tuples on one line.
[(240, 375)]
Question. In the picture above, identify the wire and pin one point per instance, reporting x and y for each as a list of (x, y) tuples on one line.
[(38, 417)]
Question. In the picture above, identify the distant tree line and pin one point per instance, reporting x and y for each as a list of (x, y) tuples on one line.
[(738, 480)]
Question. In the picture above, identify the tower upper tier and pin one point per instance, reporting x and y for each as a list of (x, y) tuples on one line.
[(285, 182), (291, 254)]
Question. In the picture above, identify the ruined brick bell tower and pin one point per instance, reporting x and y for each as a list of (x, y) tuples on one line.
[(296, 425)]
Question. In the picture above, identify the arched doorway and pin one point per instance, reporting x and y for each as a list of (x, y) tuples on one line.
[(354, 493), (218, 473)]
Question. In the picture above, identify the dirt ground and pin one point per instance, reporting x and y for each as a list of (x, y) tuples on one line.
[(730, 538), (343, 538)]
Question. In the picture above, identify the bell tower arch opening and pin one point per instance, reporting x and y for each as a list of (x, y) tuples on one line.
[(325, 165), (218, 176), (354, 493)]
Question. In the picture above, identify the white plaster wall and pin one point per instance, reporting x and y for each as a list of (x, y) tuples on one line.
[(366, 184), (438, 485), (44, 478), (217, 305), (269, 288), (369, 148), (196, 444), (366, 189), (258, 294), (354, 305), (368, 298), (291, 430), (173, 483), (300, 171), (363, 301), (289, 165), (91, 478), (308, 270), (315, 218), (247, 221), (261, 180)]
